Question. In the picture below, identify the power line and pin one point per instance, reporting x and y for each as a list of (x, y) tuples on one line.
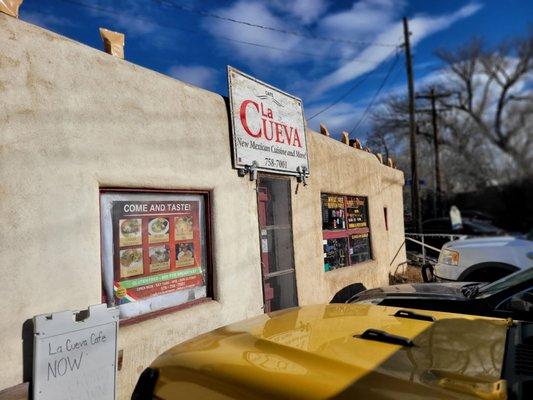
[(376, 94), (348, 92), (203, 13), (111, 13)]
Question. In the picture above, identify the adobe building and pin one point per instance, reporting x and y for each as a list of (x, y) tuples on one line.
[(118, 186)]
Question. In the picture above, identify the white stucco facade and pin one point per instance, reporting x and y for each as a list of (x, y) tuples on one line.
[(75, 120)]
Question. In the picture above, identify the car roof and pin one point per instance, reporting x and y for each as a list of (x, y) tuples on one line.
[(318, 352)]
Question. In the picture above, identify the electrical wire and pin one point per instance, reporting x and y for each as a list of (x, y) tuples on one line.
[(350, 90), (376, 94), (347, 93), (112, 13), (209, 14)]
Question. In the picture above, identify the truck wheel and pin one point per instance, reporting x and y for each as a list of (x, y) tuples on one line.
[(346, 293)]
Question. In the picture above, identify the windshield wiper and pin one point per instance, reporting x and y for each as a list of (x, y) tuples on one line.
[(470, 290), (414, 315), (382, 336)]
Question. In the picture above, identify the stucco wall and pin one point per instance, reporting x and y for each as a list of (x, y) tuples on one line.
[(74, 120)]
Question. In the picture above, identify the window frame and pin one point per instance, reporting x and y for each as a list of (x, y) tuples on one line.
[(207, 202), (266, 276), (328, 234)]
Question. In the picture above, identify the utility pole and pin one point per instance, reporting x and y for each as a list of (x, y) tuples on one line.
[(433, 96), (415, 195)]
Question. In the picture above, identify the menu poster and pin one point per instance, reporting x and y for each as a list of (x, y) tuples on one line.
[(356, 214), (333, 212), (360, 248), (157, 248)]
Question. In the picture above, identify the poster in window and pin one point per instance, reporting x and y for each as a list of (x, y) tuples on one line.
[(157, 245), (335, 253), (360, 248), (356, 215), (333, 212)]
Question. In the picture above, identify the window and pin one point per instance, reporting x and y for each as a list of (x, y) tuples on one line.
[(154, 250), (519, 302), (346, 231)]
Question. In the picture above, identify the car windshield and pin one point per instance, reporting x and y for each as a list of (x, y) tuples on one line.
[(505, 282)]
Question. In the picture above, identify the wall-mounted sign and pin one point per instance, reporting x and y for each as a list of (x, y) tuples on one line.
[(268, 126), (75, 354)]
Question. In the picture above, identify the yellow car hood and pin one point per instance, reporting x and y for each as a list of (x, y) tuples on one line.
[(316, 352)]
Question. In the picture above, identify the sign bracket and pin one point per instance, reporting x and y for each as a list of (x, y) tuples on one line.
[(303, 174), (249, 169)]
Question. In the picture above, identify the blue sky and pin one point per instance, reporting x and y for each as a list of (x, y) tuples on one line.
[(183, 39)]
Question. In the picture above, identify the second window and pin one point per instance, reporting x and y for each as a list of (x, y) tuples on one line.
[(346, 230)]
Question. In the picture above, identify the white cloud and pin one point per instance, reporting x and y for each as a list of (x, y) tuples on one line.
[(340, 118), (197, 75), (421, 26), (130, 17), (307, 11), (44, 20), (365, 18), (259, 13), (135, 25)]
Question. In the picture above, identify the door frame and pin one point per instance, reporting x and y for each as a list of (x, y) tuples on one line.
[(293, 270)]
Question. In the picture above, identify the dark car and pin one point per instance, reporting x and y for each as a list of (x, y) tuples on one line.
[(443, 226), (509, 297), (470, 226)]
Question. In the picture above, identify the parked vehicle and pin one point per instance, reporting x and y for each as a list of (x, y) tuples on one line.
[(347, 351), (470, 227), (483, 259), (509, 297)]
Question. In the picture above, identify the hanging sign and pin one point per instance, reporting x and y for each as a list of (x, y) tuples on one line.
[(268, 127)]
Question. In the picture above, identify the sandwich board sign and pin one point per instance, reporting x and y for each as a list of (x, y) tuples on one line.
[(268, 127), (75, 354)]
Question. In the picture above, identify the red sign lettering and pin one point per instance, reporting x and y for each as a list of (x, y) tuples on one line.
[(269, 128)]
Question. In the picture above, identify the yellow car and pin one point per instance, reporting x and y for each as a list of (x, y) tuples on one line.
[(348, 351)]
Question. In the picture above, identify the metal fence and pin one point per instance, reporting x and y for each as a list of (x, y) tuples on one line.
[(422, 259), (424, 246)]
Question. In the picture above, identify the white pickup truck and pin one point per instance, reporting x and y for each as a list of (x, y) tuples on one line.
[(483, 259)]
